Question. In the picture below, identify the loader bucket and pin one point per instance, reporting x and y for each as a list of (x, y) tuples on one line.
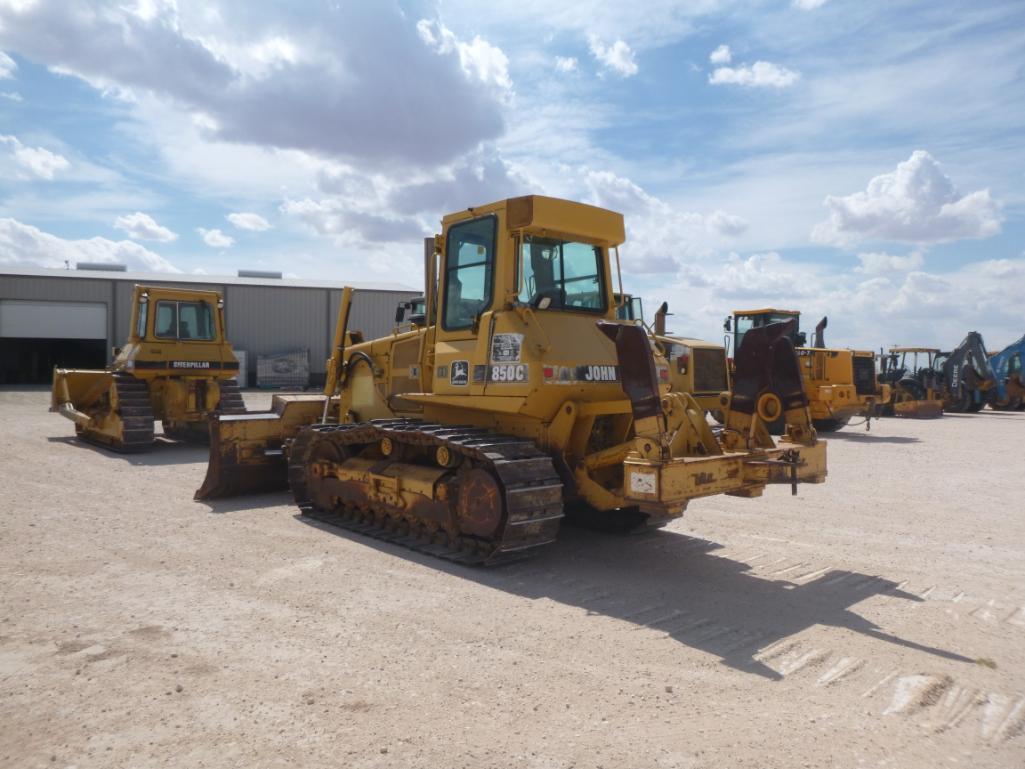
[(246, 455), (925, 409)]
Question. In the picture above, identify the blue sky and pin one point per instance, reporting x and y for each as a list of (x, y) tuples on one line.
[(858, 159)]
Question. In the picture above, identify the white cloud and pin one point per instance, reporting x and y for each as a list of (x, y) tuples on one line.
[(27, 246), (566, 63), (8, 66), (249, 221), (215, 238), (726, 224), (355, 82), (140, 226), (761, 74), (479, 59), (808, 5), (40, 162), (916, 203), (661, 238), (879, 263), (617, 57), (721, 55), (11, 96)]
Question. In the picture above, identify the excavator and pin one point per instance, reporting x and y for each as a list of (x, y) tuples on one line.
[(522, 398), (966, 376), (1009, 392), (176, 366), (913, 381), (839, 384), (696, 367)]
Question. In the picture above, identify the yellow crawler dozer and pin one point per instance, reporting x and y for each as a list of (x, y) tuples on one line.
[(176, 367), (840, 384), (520, 399)]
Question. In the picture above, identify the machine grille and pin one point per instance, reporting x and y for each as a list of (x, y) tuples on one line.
[(709, 370), (864, 375)]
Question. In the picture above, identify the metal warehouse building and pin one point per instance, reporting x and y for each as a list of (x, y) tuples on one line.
[(73, 318)]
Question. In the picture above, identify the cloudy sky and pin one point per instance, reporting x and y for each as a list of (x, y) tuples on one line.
[(858, 159)]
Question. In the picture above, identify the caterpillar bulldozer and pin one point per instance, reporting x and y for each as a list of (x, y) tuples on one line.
[(696, 367), (840, 384), (966, 376), (1008, 394), (520, 400), (176, 366), (913, 381)]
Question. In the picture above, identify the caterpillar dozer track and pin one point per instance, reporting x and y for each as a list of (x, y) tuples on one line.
[(913, 380), (840, 384), (520, 399), (176, 367)]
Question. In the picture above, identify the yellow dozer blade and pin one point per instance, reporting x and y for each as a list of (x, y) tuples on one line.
[(247, 450), (924, 409), (246, 456), (108, 408)]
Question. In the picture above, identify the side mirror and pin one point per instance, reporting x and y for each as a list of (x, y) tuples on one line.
[(801, 340), (727, 324), (400, 311)]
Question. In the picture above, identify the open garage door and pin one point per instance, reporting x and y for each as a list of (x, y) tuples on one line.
[(35, 336)]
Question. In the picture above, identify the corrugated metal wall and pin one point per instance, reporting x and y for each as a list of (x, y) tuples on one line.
[(260, 319)]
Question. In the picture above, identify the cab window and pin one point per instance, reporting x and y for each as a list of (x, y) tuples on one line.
[(187, 321), (568, 274), (140, 322), (469, 266)]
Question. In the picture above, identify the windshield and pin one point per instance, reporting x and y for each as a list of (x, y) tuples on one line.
[(188, 321), (568, 274), (745, 323)]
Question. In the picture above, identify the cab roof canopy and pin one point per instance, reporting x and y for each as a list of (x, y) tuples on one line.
[(766, 311), (555, 217)]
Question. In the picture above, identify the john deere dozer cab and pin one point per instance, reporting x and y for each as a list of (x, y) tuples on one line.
[(839, 384), (176, 367), (966, 376), (1008, 394), (696, 367), (470, 437), (911, 374)]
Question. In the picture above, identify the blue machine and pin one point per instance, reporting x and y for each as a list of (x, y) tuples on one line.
[(1009, 393)]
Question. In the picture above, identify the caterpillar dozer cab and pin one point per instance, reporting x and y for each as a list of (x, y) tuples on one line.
[(913, 381), (471, 437), (1008, 394), (966, 376), (696, 367), (176, 366), (840, 384)]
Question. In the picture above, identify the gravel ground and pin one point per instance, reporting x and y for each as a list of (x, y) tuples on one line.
[(875, 620)]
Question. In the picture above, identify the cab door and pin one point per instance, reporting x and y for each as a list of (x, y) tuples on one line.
[(466, 296)]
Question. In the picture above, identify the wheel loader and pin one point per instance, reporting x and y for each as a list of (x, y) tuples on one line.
[(1009, 392), (840, 384), (913, 381), (522, 399), (696, 367), (177, 367)]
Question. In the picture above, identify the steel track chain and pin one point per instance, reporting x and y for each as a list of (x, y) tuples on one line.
[(531, 486)]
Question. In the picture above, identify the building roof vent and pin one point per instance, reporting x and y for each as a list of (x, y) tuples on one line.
[(105, 266), (259, 274)]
